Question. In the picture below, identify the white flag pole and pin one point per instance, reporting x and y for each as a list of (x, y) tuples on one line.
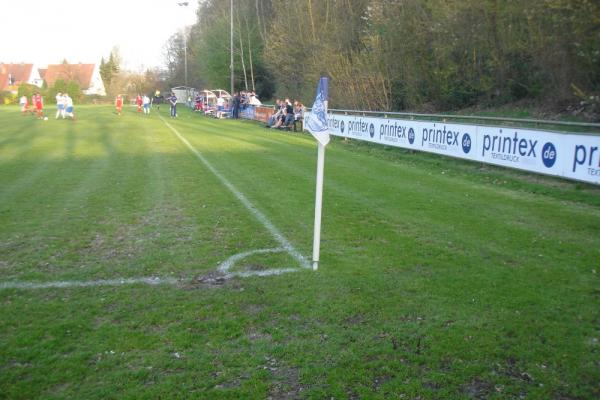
[(317, 126), (318, 204)]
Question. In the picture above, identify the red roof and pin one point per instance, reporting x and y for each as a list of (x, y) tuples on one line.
[(80, 73), (20, 73)]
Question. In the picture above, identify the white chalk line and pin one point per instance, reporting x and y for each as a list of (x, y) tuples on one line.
[(244, 200), (225, 266), (154, 280)]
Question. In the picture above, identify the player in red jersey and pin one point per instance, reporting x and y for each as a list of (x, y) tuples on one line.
[(38, 103), (119, 104), (139, 102)]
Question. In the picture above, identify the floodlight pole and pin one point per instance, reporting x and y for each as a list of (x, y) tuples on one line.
[(231, 44), (318, 205), (185, 68)]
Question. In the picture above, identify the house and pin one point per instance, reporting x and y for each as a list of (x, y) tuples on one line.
[(14, 75), (87, 76)]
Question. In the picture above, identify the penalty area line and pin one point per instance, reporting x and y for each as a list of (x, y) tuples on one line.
[(277, 235)]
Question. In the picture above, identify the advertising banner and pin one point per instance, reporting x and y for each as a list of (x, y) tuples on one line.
[(573, 156), (262, 113)]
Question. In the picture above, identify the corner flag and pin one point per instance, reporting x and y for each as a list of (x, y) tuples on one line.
[(316, 123), (317, 120)]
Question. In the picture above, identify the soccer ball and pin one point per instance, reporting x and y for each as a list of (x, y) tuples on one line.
[(45, 118)]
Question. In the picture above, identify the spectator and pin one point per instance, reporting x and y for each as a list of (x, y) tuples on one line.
[(198, 102), (235, 111), (289, 113), (274, 119), (173, 103), (220, 106), (253, 99), (298, 114)]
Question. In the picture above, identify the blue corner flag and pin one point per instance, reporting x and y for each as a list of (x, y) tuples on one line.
[(317, 121)]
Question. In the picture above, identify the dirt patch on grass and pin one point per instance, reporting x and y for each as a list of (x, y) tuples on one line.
[(286, 381), (254, 309), (122, 246), (255, 335), (354, 320), (210, 279), (478, 389), (511, 369), (255, 267), (379, 381), (129, 241)]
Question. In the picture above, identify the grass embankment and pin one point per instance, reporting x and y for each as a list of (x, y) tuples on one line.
[(439, 278)]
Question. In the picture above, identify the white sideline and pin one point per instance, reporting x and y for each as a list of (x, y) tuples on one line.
[(244, 200), (100, 282)]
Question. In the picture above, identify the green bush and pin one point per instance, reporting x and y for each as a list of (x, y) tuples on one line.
[(27, 90), (8, 98)]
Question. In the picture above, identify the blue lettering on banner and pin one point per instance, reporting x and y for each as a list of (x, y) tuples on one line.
[(508, 148), (466, 143), (585, 155), (395, 132), (357, 127), (549, 155), (334, 123), (443, 139), (530, 150)]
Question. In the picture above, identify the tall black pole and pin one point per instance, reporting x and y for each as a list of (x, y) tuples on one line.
[(231, 44)]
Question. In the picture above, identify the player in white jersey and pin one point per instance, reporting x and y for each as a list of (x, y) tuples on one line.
[(146, 103), (60, 105), (69, 107)]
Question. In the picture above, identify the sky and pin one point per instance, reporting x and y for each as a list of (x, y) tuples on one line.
[(47, 32)]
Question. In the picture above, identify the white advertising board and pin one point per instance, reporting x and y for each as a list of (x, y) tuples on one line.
[(566, 155)]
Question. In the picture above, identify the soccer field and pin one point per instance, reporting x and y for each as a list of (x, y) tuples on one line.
[(145, 257)]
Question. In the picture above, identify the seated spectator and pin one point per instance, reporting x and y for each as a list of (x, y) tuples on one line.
[(289, 114), (274, 119), (298, 114)]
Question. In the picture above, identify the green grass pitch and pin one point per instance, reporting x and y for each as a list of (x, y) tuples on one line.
[(439, 279)]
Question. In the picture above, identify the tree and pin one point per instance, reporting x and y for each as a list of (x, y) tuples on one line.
[(109, 70)]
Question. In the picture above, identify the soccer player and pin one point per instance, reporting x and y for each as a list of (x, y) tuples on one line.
[(157, 99), (60, 105), (24, 103), (139, 101), (146, 101), (38, 103), (119, 104), (173, 102), (69, 107)]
